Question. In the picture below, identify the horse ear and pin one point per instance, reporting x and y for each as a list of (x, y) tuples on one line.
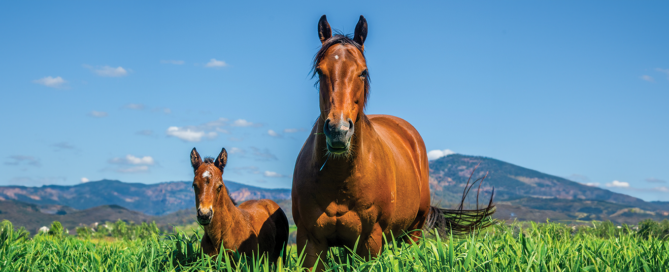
[(195, 159), (222, 159), (360, 31), (324, 30)]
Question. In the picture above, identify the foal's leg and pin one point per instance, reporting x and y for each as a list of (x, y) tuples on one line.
[(314, 249), (208, 246)]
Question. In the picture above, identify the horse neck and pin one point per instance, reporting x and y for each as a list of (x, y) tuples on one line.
[(361, 140), (226, 216)]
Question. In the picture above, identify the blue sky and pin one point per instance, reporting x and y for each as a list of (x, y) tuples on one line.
[(123, 90)]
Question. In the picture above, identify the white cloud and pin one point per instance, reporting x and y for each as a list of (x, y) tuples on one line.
[(133, 160), (175, 62), (647, 78), (242, 123), (215, 63), (134, 106), (220, 122), (63, 146), (246, 169), (271, 174), (664, 71), (655, 180), (23, 160), (237, 150), (661, 189), (263, 155), (190, 134), (136, 160), (592, 184), (53, 82), (84, 180), (435, 154), (146, 132), (134, 169), (98, 114), (132, 164), (273, 133), (619, 184), (108, 71), (292, 130)]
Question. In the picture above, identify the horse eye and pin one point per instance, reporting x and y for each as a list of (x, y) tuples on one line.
[(194, 187), (218, 189), (364, 73), (319, 71)]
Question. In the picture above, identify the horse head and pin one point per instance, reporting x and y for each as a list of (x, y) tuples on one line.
[(208, 184), (344, 83)]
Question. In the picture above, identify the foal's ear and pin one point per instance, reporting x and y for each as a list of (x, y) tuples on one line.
[(324, 30), (222, 160), (195, 159), (360, 31)]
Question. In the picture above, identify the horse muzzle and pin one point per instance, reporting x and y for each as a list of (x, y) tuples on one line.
[(204, 216), (338, 135)]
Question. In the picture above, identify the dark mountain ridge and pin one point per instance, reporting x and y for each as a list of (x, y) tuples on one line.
[(520, 193), (449, 174), (151, 199)]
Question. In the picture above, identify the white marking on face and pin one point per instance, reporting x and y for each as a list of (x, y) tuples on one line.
[(337, 57), (206, 174)]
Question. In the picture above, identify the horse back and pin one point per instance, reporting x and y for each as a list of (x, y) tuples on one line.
[(270, 224)]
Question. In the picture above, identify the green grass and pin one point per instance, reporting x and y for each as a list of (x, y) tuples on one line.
[(516, 247)]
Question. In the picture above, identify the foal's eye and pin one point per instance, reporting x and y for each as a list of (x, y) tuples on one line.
[(218, 189), (363, 74), (194, 187), (319, 71)]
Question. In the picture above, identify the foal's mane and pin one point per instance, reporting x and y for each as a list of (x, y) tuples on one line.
[(210, 160), (342, 39)]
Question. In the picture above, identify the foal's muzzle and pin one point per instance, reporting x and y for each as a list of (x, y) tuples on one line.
[(204, 216), (338, 135)]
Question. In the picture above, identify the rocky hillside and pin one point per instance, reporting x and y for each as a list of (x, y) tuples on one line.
[(448, 176)]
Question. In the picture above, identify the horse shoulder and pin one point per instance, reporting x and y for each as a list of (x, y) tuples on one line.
[(403, 139)]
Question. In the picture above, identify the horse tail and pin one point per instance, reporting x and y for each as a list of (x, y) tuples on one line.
[(461, 221)]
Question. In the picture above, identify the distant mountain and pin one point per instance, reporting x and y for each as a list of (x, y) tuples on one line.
[(520, 193), (151, 199), (448, 176), (526, 194), (32, 216)]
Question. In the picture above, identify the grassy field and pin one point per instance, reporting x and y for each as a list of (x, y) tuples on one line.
[(515, 247)]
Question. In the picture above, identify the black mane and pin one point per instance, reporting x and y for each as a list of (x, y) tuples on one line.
[(343, 40)]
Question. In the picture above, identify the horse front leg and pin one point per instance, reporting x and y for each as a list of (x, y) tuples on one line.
[(313, 249), (208, 246), (371, 246)]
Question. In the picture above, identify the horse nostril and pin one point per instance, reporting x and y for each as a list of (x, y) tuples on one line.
[(327, 128), (203, 214), (350, 123)]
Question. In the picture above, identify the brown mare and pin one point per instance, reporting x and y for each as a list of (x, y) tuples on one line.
[(255, 224), (362, 176)]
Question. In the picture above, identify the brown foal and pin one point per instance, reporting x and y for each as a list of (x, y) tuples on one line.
[(255, 228)]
